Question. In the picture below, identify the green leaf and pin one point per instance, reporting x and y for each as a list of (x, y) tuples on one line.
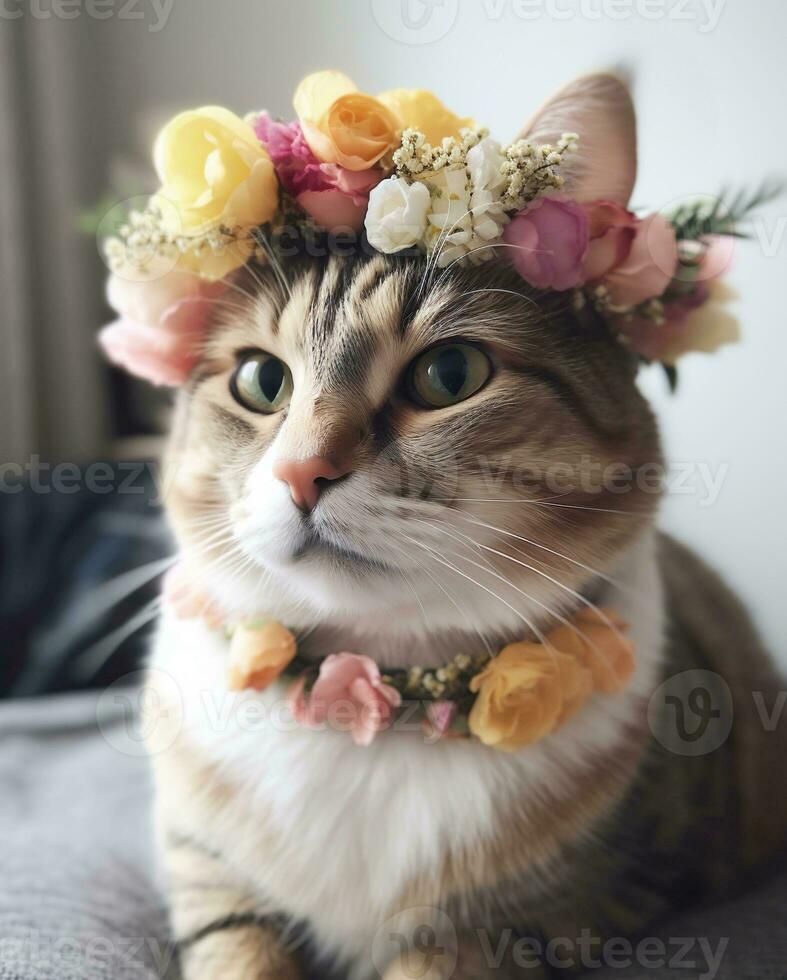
[(695, 220)]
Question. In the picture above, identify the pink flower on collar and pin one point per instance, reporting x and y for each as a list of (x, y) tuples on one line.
[(334, 196), (350, 693)]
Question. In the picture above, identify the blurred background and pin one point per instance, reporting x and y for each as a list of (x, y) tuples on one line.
[(84, 86)]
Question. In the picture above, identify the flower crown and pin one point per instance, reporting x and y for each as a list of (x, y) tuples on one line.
[(414, 176)]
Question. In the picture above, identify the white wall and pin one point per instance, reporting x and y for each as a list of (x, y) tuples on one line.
[(710, 107)]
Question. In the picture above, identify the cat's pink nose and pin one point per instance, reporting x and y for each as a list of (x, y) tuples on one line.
[(307, 478)]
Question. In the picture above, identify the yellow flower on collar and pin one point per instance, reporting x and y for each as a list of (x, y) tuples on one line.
[(524, 693), (259, 652), (596, 638), (529, 689)]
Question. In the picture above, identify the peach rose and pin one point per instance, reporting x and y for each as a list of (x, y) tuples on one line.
[(418, 109), (214, 170), (611, 234), (524, 693), (649, 266), (188, 601), (342, 125), (259, 652)]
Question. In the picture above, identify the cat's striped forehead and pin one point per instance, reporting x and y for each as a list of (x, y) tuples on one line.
[(344, 315)]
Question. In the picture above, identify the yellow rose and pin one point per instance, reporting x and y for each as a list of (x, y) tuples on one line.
[(415, 108), (214, 170), (258, 654), (341, 124), (213, 265), (524, 693)]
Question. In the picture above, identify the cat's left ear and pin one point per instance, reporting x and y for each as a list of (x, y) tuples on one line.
[(598, 108)]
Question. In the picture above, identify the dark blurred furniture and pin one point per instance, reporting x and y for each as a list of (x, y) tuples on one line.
[(75, 554)]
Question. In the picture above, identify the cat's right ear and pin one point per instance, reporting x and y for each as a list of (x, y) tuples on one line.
[(598, 108)]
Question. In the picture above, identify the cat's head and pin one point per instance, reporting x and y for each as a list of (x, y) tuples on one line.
[(370, 435)]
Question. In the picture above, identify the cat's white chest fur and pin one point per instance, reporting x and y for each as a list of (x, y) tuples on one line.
[(354, 825)]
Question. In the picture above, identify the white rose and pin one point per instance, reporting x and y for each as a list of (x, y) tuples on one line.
[(396, 216), (484, 161)]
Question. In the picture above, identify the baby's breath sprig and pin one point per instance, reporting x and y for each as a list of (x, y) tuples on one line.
[(140, 240), (449, 682), (417, 159), (530, 168), (145, 239)]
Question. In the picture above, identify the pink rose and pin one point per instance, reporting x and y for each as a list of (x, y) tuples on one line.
[(332, 195), (649, 266), (440, 716), (161, 326), (348, 681), (611, 234), (550, 239)]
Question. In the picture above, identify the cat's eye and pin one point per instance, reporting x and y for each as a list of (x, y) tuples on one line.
[(447, 374), (261, 382)]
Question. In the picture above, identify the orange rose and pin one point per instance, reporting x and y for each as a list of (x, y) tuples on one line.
[(524, 693), (598, 643), (258, 654), (341, 124)]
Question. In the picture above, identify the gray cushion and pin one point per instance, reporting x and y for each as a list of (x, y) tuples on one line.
[(77, 894)]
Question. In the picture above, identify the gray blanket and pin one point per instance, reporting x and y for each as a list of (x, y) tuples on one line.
[(77, 893)]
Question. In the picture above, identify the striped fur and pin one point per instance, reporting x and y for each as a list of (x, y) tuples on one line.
[(285, 848)]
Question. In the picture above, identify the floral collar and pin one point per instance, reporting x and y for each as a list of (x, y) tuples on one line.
[(507, 701)]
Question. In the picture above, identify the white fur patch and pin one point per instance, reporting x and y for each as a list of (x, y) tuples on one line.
[(356, 824)]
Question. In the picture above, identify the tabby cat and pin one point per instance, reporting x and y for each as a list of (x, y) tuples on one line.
[(364, 453)]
